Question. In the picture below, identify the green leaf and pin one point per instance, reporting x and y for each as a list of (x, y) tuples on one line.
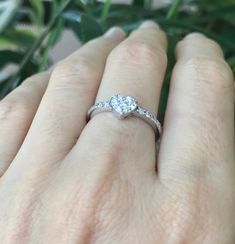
[(3, 84), (12, 57), (209, 5), (90, 28), (138, 3), (37, 16), (9, 56), (85, 26), (163, 101), (7, 44), (73, 19), (123, 14), (25, 62), (17, 39), (231, 62), (8, 13)]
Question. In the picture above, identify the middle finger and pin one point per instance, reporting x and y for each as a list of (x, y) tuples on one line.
[(62, 113)]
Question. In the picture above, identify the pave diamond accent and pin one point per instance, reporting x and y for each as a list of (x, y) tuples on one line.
[(104, 104), (146, 113), (123, 105), (149, 115)]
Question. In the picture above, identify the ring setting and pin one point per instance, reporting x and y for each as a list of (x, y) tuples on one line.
[(123, 107)]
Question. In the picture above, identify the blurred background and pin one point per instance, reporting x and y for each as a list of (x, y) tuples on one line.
[(35, 34)]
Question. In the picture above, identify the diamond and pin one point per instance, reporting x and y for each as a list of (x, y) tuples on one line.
[(99, 105), (148, 114), (140, 111), (123, 105), (106, 104)]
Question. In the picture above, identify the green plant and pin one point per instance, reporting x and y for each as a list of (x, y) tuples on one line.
[(89, 18)]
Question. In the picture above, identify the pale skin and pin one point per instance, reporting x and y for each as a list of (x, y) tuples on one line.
[(64, 180)]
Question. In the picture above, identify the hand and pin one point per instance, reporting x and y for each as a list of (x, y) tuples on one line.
[(69, 181)]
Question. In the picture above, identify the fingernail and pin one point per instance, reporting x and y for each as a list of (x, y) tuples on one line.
[(115, 33), (149, 24), (194, 35)]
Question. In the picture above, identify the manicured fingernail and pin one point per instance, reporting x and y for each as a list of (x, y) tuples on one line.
[(195, 35), (115, 33), (149, 24)]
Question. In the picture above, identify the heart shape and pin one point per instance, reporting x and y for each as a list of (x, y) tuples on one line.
[(123, 105)]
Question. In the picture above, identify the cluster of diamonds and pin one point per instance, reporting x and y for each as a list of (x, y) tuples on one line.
[(123, 105)]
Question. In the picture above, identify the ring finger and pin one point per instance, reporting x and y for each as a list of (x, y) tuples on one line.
[(136, 67)]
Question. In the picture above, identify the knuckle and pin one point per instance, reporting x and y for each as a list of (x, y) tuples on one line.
[(75, 73), (139, 52), (14, 108), (36, 78), (212, 71)]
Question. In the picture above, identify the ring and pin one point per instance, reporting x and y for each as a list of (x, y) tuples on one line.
[(124, 106)]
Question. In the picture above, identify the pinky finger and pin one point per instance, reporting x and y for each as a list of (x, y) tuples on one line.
[(17, 111)]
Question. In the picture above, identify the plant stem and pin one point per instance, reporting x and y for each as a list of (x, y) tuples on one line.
[(173, 9), (105, 10), (15, 81)]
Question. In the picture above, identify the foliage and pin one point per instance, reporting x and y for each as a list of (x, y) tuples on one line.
[(90, 18)]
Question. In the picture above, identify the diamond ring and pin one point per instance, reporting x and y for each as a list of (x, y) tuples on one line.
[(124, 106)]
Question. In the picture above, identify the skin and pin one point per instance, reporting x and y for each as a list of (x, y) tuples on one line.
[(64, 180)]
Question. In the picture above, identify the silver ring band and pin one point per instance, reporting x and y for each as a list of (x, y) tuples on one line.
[(124, 106)]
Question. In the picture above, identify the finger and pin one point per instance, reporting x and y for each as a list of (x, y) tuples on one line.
[(62, 113), (198, 136), (101, 164), (136, 67), (16, 114)]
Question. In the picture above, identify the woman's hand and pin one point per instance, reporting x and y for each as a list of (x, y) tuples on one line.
[(70, 182)]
